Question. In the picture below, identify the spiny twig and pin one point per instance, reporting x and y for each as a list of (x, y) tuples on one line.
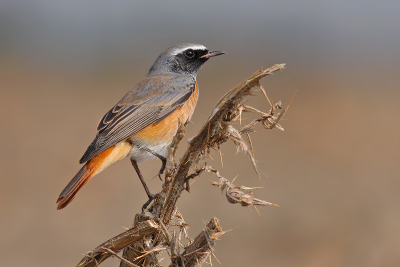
[(237, 194), (149, 234), (211, 135)]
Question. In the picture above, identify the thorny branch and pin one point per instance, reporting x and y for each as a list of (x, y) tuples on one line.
[(237, 194), (150, 233)]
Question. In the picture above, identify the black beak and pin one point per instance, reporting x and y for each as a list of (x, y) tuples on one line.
[(212, 54)]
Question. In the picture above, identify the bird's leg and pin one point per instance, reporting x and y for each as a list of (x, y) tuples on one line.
[(149, 195), (162, 158)]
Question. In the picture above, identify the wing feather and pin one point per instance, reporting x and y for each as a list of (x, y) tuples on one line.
[(139, 109)]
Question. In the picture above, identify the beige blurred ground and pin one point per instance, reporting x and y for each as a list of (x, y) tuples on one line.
[(334, 170)]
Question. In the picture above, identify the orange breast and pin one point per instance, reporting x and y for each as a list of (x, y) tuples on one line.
[(164, 131)]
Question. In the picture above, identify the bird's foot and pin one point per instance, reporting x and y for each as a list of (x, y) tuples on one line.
[(151, 198)]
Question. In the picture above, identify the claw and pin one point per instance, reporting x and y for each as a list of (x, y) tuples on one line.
[(151, 197)]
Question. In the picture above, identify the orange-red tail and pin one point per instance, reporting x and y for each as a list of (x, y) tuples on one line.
[(91, 168), (69, 192)]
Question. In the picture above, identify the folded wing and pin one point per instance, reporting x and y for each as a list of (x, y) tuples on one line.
[(149, 102)]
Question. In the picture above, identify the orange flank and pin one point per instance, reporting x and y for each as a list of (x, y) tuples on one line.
[(90, 169), (166, 129)]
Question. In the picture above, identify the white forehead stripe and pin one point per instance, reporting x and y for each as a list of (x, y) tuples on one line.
[(177, 51)]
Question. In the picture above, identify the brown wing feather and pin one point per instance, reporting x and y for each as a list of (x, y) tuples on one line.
[(149, 102)]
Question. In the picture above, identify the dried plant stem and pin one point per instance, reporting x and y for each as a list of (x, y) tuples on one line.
[(149, 234), (119, 242), (209, 135)]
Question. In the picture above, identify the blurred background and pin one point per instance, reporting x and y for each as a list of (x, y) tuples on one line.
[(334, 171)]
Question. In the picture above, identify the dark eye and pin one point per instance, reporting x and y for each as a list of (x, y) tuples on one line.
[(189, 53)]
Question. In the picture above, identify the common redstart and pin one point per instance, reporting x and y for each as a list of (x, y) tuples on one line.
[(144, 122)]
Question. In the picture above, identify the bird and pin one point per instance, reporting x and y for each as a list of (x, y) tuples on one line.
[(144, 122)]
